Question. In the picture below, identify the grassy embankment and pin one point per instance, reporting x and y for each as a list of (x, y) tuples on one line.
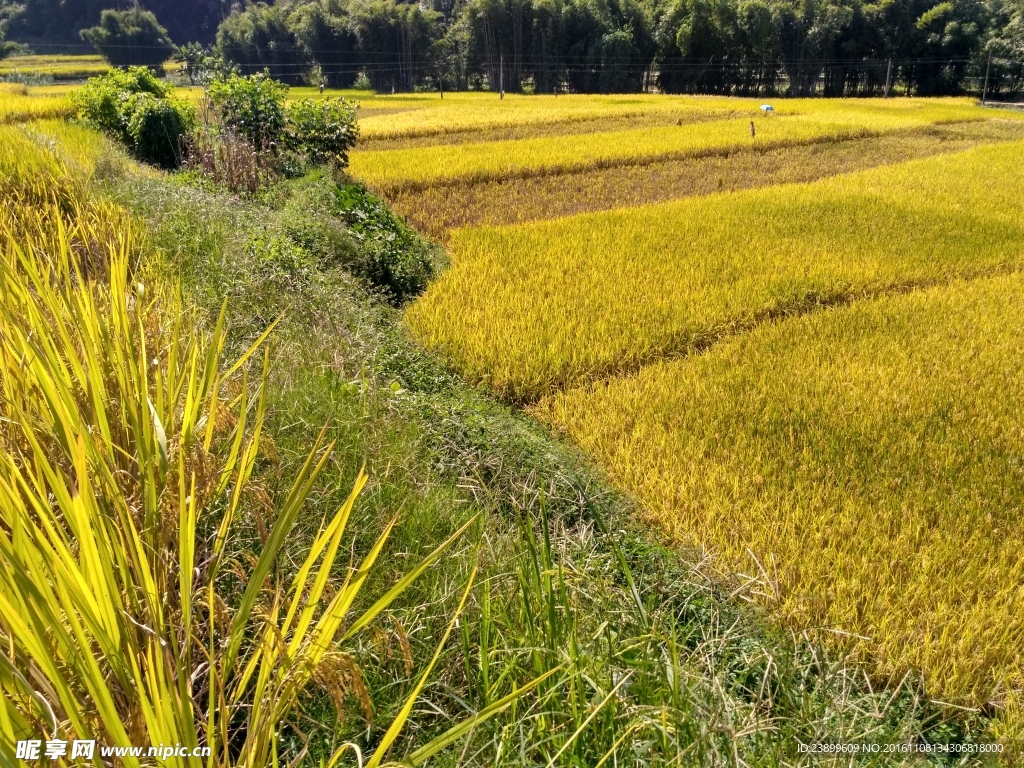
[(694, 676)]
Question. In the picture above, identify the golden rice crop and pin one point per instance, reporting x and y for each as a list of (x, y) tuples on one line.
[(863, 463), (538, 129), (51, 161), (533, 307), (403, 169), (461, 113), (19, 104), (406, 116), (438, 210), (57, 65)]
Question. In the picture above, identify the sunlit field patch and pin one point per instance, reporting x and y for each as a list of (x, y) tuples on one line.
[(438, 210), (56, 66), (530, 308), (862, 462), (396, 170), (19, 104), (463, 113), (539, 129)]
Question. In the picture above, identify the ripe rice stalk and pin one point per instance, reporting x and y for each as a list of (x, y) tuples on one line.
[(19, 105), (527, 309), (862, 459)]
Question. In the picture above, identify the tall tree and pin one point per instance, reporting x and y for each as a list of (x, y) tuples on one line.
[(261, 37), (130, 38)]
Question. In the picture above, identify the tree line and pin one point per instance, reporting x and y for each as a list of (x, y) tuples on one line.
[(797, 47)]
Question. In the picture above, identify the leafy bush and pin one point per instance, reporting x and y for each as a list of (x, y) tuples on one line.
[(130, 38), (156, 127), (251, 106), (323, 130), (134, 107), (394, 258)]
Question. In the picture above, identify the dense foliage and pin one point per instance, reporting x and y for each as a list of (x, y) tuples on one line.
[(130, 38), (318, 131), (136, 108), (833, 47), (59, 22), (251, 106)]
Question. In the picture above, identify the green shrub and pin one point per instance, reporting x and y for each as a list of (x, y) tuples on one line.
[(251, 106), (134, 107), (322, 130), (394, 258), (130, 38), (156, 127), (104, 101)]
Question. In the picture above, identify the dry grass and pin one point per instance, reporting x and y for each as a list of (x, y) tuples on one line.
[(526, 309), (438, 210), (862, 463)]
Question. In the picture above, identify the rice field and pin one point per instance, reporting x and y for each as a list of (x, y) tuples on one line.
[(531, 308), (797, 350), (463, 114), (19, 104), (399, 169), (863, 462), (439, 210), (59, 67)]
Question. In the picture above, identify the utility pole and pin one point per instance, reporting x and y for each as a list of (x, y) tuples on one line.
[(501, 76), (888, 78), (984, 90), (440, 83)]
